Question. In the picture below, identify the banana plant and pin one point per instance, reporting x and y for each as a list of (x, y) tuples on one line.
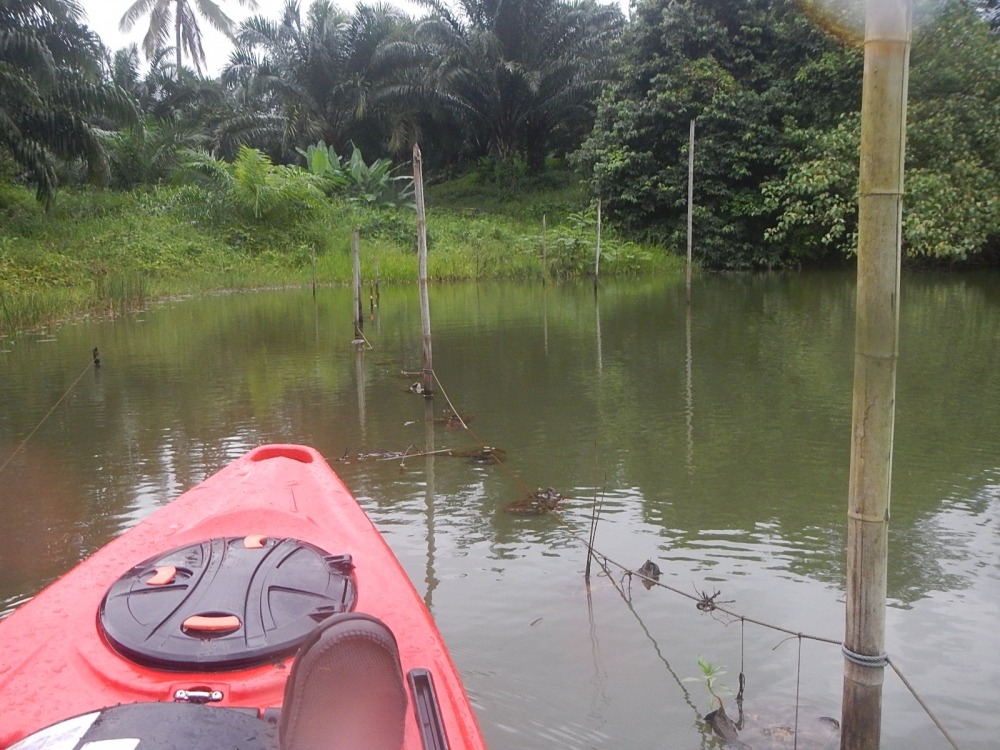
[(373, 184)]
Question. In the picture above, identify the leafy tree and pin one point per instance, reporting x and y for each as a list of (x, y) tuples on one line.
[(181, 18), (188, 112), (990, 10), (748, 72), (51, 93), (952, 203)]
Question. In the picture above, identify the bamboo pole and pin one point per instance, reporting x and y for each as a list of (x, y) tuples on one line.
[(425, 308), (358, 315), (690, 212), (888, 25)]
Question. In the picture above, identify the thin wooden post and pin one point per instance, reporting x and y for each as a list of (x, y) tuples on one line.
[(314, 270), (358, 315), (690, 217), (888, 25), (545, 251), (425, 308), (597, 252)]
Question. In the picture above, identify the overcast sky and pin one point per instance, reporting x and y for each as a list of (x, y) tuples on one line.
[(103, 17)]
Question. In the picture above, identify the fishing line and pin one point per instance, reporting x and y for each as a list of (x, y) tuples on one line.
[(49, 414)]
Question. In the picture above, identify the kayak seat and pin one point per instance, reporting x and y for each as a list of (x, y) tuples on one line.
[(346, 689)]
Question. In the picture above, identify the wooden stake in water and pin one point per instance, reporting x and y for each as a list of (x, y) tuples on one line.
[(687, 274), (358, 316), (425, 308), (888, 25)]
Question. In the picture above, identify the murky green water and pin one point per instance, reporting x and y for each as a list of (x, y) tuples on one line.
[(718, 444)]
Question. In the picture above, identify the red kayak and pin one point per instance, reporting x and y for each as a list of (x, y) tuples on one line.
[(260, 609)]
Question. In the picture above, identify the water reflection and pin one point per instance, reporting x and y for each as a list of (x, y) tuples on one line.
[(718, 438)]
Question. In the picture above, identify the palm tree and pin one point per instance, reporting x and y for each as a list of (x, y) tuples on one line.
[(515, 73), (180, 17), (52, 96), (314, 78)]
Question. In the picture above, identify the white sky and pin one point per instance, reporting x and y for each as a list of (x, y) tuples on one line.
[(103, 17)]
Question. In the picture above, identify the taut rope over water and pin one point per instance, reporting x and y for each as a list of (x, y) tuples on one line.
[(31, 434)]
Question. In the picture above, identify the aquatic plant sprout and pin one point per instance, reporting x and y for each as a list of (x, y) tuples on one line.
[(710, 675), (845, 19)]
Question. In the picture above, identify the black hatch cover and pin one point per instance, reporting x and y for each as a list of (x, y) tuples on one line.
[(226, 603), (157, 726)]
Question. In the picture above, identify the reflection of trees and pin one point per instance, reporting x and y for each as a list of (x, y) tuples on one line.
[(179, 395), (194, 386), (945, 549)]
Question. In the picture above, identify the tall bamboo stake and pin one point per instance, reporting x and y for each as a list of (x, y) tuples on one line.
[(425, 308), (358, 315), (888, 25), (690, 217)]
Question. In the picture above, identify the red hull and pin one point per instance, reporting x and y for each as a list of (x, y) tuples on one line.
[(56, 663)]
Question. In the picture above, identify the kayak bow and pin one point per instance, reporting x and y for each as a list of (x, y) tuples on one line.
[(209, 600)]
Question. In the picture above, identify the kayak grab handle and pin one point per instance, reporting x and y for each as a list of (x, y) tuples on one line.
[(428, 713), (162, 576), (300, 453), (209, 625)]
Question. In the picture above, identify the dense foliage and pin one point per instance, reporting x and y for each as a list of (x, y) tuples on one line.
[(952, 204), (777, 103), (746, 72), (505, 89)]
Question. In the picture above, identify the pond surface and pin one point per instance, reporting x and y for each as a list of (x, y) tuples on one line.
[(717, 445)]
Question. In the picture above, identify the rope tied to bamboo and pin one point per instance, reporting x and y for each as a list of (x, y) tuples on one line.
[(875, 662)]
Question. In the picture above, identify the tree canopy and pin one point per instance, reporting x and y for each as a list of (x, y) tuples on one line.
[(179, 17), (777, 105), (504, 87), (52, 96)]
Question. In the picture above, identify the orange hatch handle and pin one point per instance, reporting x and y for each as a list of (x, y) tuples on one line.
[(211, 624), (162, 576)]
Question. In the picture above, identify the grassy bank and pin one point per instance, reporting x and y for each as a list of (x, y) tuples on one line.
[(98, 252)]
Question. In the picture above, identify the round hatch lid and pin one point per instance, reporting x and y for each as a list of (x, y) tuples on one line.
[(225, 603)]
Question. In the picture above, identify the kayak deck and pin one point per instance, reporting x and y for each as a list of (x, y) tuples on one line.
[(308, 552)]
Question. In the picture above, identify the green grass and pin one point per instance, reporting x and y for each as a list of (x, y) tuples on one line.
[(100, 252)]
